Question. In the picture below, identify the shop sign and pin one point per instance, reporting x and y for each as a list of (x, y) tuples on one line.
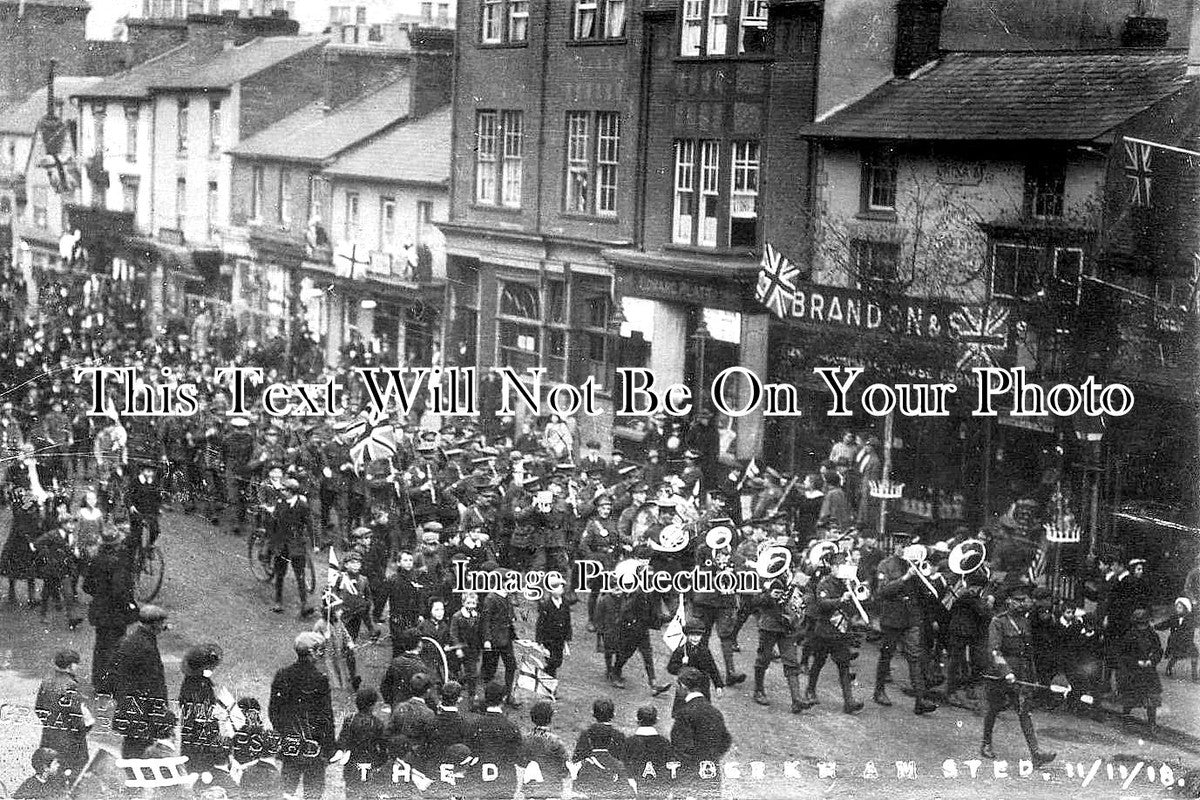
[(852, 308), (712, 293)]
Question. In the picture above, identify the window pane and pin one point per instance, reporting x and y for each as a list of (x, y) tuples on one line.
[(614, 19), (181, 127), (693, 23), (718, 26), (881, 180), (578, 153), (519, 300), (556, 301), (743, 202), (491, 30), (608, 143), (753, 37), (685, 198), (511, 124), (710, 176), (518, 20), (585, 19), (485, 157)]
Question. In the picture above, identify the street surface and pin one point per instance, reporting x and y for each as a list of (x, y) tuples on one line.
[(212, 597)]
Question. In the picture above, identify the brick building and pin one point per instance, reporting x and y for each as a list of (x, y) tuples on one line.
[(155, 140), (344, 172)]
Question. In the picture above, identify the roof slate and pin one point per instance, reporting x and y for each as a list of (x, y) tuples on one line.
[(238, 63), (312, 134), (23, 117), (194, 65), (415, 152), (1061, 96)]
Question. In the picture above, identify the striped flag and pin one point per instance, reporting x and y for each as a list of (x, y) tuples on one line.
[(1037, 568)]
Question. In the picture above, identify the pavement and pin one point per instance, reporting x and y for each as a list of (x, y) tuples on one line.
[(212, 597)]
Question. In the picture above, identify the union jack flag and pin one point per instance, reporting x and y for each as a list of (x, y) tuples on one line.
[(1139, 172), (350, 260), (981, 333), (776, 287)]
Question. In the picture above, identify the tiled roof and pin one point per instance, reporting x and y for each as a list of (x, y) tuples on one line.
[(1061, 96), (238, 63), (415, 152), (196, 65), (313, 134), (23, 117)]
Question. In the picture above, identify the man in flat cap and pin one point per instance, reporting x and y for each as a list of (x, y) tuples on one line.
[(110, 582), (290, 542), (301, 709), (139, 685)]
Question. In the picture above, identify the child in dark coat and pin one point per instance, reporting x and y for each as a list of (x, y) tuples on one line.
[(1138, 683), (694, 652), (1181, 641), (607, 619)]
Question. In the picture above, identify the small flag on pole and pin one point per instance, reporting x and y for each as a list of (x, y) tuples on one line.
[(673, 636), (751, 471)]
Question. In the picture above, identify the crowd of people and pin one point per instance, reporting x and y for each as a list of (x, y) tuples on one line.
[(495, 497)]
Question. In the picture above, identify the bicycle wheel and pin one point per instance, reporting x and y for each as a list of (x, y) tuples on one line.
[(150, 576), (262, 566)]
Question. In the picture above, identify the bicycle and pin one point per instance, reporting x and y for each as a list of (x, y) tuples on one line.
[(150, 567), (262, 560)]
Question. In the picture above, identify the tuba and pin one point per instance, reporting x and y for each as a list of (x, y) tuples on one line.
[(967, 557)]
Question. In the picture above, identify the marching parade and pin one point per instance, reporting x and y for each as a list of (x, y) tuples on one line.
[(613, 399)]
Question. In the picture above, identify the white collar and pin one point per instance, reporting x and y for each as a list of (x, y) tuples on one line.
[(447, 708), (495, 710), (646, 731), (692, 696)]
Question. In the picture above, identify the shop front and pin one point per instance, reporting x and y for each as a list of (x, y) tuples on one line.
[(688, 325)]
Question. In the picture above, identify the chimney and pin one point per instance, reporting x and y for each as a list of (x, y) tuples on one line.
[(918, 34)]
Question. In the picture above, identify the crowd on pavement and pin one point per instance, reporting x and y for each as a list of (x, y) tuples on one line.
[(498, 498)]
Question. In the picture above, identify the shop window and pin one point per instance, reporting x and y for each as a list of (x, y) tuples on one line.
[(556, 301), (874, 263), (706, 27), (593, 311), (518, 325), (879, 180), (1045, 186), (592, 161)]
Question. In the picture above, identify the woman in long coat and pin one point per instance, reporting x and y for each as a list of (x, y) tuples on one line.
[(17, 557)]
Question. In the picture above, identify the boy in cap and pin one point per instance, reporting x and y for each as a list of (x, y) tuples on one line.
[(694, 652), (1181, 641), (139, 685), (1138, 682), (64, 717), (46, 781)]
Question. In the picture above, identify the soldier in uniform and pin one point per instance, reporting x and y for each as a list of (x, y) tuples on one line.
[(716, 608), (832, 611), (1010, 644), (601, 542), (778, 629), (900, 618)]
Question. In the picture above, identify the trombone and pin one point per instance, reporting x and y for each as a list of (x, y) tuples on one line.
[(859, 591), (917, 556)]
